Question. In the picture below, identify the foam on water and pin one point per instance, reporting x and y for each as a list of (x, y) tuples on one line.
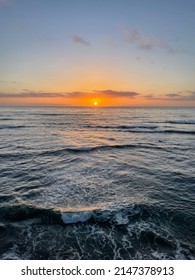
[(107, 183), (11, 254), (133, 232), (73, 218)]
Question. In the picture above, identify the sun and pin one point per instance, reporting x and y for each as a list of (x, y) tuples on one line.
[(96, 101)]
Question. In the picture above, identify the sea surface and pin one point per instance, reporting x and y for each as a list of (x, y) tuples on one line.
[(97, 183)]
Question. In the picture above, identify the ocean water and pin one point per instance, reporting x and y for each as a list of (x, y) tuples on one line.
[(97, 183)]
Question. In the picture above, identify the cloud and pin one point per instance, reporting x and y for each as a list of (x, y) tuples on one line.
[(182, 96), (134, 36), (112, 93), (177, 96), (27, 93), (80, 40), (172, 95), (175, 50), (148, 42), (186, 96), (148, 96), (75, 94)]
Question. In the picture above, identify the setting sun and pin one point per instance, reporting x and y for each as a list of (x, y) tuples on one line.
[(95, 103)]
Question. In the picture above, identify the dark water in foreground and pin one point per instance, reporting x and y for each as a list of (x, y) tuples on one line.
[(97, 183)]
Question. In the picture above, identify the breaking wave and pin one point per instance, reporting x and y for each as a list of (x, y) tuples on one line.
[(113, 233)]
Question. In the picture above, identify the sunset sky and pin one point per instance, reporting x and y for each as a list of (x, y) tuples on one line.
[(112, 52)]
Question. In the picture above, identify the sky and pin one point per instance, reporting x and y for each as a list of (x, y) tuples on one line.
[(102, 52)]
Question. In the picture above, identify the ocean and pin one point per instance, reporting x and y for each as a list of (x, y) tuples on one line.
[(97, 183)]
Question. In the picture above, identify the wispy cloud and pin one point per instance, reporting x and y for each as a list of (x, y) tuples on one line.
[(134, 36), (173, 95), (80, 40), (177, 96), (30, 94), (148, 96), (148, 42), (113, 93), (182, 96), (25, 93)]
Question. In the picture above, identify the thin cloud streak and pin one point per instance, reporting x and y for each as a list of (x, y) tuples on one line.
[(180, 96), (134, 36), (77, 94), (173, 95), (112, 93), (148, 42), (185, 96), (79, 40), (177, 96), (30, 94)]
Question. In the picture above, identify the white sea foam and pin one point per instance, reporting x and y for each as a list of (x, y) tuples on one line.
[(11, 254), (72, 218), (121, 219)]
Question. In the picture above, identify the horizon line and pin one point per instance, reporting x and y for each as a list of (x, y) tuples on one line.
[(96, 107)]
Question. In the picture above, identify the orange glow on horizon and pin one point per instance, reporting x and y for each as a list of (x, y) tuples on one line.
[(90, 101)]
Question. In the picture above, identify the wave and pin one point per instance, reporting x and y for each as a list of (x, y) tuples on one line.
[(84, 150), (119, 215), (143, 129), (181, 122), (167, 131), (123, 216), (60, 114), (101, 148), (127, 231), (178, 131), (23, 212), (76, 217), (12, 126), (124, 127), (6, 119), (51, 114), (10, 156), (81, 150)]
